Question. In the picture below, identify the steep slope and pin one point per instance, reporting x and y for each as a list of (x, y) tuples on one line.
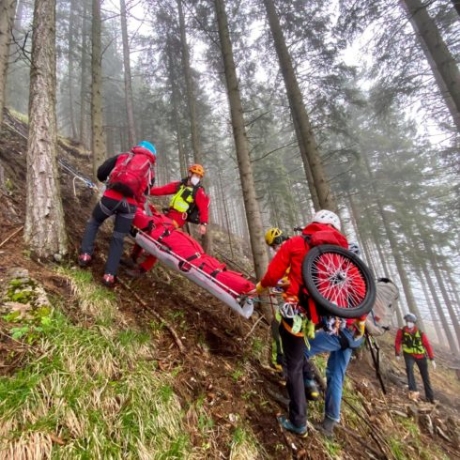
[(219, 398)]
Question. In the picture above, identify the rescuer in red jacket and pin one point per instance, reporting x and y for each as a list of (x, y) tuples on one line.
[(415, 346), (325, 229), (188, 204)]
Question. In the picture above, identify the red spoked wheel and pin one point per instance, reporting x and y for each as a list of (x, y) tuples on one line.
[(339, 281)]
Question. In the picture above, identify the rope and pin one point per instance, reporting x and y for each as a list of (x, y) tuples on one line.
[(77, 175), (72, 171)]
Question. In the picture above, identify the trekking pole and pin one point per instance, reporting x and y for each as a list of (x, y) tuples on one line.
[(376, 360)]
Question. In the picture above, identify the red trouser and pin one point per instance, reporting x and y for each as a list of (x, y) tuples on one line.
[(150, 260)]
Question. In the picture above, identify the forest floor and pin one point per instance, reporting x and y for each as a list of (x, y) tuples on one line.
[(223, 372)]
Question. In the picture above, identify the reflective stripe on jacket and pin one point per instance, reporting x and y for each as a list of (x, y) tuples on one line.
[(182, 199), (412, 343)]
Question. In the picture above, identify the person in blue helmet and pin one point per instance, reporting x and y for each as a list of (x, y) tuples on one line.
[(128, 177)]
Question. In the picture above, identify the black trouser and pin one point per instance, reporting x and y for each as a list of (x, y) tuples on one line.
[(296, 364), (124, 215), (422, 364)]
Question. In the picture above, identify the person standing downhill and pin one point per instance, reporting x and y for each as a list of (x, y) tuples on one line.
[(415, 346), (129, 176)]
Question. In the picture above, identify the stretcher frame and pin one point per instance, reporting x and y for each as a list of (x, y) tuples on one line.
[(240, 303)]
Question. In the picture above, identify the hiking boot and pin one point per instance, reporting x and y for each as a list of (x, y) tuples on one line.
[(130, 262), (327, 427), (312, 392), (84, 259), (108, 280), (289, 426), (135, 272)]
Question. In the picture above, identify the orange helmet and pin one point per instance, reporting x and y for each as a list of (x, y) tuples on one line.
[(196, 169)]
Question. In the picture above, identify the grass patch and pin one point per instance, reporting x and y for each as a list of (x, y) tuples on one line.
[(93, 299), (244, 446), (95, 393), (91, 392)]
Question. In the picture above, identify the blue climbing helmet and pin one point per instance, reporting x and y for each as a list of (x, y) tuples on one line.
[(149, 146)]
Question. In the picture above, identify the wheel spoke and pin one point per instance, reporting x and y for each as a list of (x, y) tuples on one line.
[(339, 280)]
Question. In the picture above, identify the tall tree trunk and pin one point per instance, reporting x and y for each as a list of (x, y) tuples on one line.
[(456, 4), (450, 337), (175, 93), (251, 205), (393, 243), (435, 268), (441, 61), (306, 165), (302, 124), (191, 104), (70, 56), (44, 227), (84, 136), (97, 120), (433, 313), (7, 10), (190, 88), (127, 67)]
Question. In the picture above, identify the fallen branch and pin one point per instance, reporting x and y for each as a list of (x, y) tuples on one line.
[(253, 327), (374, 433), (359, 438), (279, 398), (157, 315), (12, 235)]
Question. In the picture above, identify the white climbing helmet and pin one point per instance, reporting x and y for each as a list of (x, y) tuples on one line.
[(410, 317), (327, 217)]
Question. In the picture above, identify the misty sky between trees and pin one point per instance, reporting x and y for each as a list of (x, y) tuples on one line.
[(388, 143)]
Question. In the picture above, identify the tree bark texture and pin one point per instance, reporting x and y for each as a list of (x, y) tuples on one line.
[(71, 54), (304, 131), (241, 142), (97, 120), (127, 67), (44, 228), (441, 61), (7, 10), (84, 128)]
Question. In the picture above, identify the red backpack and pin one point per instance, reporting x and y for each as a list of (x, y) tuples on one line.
[(131, 174)]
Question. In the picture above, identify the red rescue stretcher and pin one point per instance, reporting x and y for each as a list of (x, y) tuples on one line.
[(177, 250)]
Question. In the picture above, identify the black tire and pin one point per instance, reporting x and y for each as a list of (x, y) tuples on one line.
[(345, 272)]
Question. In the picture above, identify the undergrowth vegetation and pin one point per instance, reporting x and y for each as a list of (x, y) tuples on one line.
[(93, 392)]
